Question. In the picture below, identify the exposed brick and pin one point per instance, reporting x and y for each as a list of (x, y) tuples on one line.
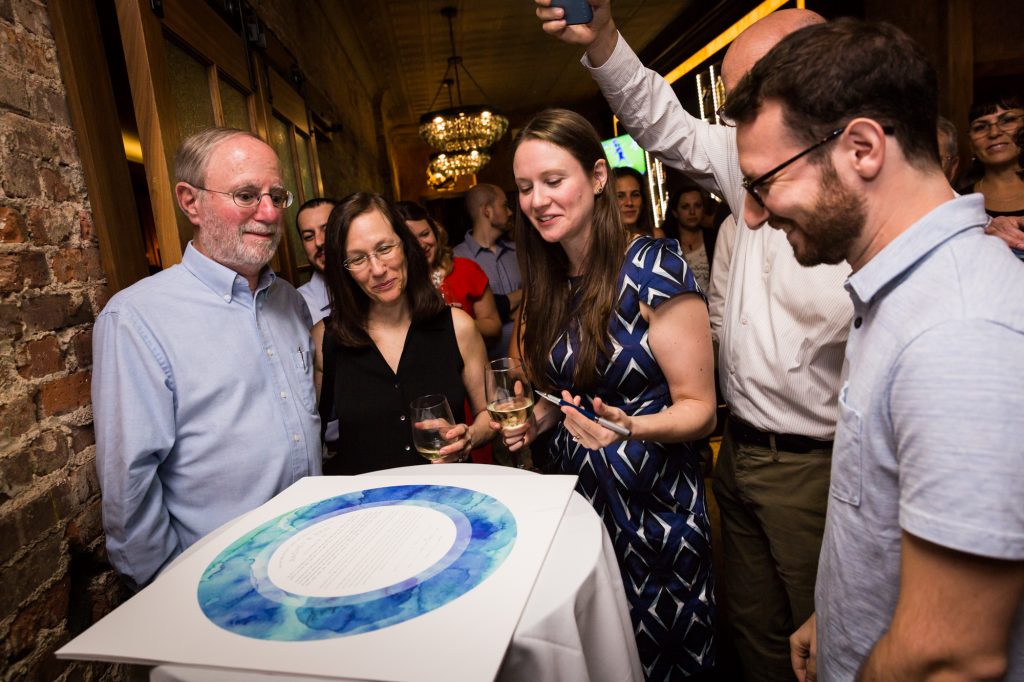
[(64, 395), (45, 612), (46, 312), (23, 524), (12, 226), (55, 185), (33, 17), (77, 265), (14, 93), (6, 11), (10, 321), (16, 418), (29, 138), (10, 273), (52, 226), (81, 344), (20, 270), (42, 357), (48, 452), (82, 437), (20, 178), (39, 56), (15, 476), (49, 104), (86, 526), (86, 228)]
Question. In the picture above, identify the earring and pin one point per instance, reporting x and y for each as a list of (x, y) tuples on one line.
[(599, 190)]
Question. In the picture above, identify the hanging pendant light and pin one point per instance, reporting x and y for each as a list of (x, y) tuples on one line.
[(462, 134)]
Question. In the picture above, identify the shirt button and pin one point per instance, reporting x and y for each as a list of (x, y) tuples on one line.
[(402, 418), (295, 437), (270, 352), (743, 320), (407, 448), (858, 322), (396, 385), (283, 394), (227, 297)]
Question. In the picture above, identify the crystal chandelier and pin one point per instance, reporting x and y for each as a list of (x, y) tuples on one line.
[(462, 134)]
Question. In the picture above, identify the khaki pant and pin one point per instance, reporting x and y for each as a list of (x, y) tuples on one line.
[(773, 516)]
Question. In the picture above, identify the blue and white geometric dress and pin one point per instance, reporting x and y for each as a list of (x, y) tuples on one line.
[(650, 495)]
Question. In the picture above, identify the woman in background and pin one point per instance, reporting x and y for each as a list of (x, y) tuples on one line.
[(461, 281), (685, 223), (629, 194), (627, 328), (995, 169), (389, 339)]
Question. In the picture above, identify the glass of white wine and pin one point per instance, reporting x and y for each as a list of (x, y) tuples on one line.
[(509, 394), (431, 419)]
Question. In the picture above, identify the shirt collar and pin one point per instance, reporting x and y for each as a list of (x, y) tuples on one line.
[(902, 253), (499, 242), (222, 280)]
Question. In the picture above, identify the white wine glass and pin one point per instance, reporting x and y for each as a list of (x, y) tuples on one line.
[(431, 419), (509, 395)]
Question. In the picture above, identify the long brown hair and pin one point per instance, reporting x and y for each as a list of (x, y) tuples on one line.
[(550, 307), (411, 211), (350, 306)]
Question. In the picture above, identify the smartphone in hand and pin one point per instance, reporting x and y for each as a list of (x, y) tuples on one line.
[(576, 11)]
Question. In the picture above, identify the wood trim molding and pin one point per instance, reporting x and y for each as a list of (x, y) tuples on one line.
[(90, 96)]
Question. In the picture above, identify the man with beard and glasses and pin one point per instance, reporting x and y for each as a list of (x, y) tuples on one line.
[(922, 563), (202, 384), (782, 333), (311, 221)]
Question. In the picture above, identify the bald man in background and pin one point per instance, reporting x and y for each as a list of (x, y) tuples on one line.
[(782, 340)]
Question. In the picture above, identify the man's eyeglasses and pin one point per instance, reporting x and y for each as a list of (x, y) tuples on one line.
[(250, 198), (1005, 123), (753, 187), (382, 253)]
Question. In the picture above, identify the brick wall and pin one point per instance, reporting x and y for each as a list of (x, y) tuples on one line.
[(54, 579)]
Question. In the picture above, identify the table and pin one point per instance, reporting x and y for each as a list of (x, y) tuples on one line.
[(576, 622)]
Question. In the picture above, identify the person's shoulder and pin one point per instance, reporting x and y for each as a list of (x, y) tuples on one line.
[(147, 292), (462, 322), (470, 266), (464, 249)]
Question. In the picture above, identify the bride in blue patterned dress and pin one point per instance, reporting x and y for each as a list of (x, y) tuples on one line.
[(629, 336)]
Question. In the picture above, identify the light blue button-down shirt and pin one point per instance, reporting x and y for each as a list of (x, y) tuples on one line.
[(930, 437), (204, 406), (315, 293)]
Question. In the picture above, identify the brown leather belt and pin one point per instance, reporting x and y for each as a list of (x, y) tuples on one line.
[(746, 434)]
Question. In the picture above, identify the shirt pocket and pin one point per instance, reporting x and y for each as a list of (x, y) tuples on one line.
[(847, 457), (304, 387)]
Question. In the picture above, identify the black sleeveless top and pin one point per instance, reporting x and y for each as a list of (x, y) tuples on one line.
[(372, 402)]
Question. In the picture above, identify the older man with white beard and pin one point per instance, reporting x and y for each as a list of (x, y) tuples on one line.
[(203, 379)]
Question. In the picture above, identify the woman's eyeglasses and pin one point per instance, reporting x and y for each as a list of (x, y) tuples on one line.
[(382, 253)]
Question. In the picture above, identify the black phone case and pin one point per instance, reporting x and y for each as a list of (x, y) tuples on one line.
[(576, 11)]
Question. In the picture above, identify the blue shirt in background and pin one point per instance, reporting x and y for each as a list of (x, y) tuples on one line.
[(204, 406)]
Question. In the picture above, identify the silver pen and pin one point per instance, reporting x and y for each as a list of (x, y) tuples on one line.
[(621, 430)]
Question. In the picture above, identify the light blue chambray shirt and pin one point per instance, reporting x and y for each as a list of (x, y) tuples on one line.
[(204, 406), (315, 293), (930, 439)]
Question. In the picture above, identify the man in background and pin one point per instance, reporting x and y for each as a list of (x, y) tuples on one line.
[(311, 222), (948, 154), (486, 245), (922, 565), (202, 387)]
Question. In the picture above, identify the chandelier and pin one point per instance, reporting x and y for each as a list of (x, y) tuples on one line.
[(462, 134)]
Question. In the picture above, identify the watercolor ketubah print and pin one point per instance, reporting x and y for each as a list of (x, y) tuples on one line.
[(279, 582)]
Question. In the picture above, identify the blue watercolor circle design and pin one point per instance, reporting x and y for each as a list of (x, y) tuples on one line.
[(236, 593)]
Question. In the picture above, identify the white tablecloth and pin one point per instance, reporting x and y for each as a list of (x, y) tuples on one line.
[(575, 626)]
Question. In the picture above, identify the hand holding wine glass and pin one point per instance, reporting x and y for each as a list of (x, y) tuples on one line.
[(509, 395), (434, 430)]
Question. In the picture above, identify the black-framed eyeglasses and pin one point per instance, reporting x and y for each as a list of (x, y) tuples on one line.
[(753, 187), (1005, 123), (722, 118), (382, 253), (248, 197)]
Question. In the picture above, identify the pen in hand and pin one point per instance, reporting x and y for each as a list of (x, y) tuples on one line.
[(621, 430)]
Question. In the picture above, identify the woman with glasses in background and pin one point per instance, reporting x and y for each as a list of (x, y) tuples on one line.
[(995, 169), (389, 339)]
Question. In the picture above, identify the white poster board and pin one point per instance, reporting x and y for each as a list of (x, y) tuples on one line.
[(386, 578)]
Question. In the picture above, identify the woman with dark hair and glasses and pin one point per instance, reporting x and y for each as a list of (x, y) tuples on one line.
[(389, 339), (995, 168), (623, 326)]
